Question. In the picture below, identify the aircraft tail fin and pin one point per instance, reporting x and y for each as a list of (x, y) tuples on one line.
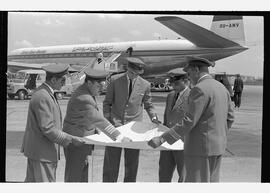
[(229, 27), (198, 35)]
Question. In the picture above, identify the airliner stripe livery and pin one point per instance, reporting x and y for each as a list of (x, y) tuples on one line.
[(225, 39), (105, 54)]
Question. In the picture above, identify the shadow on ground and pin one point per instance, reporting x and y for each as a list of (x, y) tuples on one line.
[(241, 144)]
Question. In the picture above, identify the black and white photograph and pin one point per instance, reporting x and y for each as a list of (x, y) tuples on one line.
[(134, 97)]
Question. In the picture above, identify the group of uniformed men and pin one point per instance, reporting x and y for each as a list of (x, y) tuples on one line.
[(200, 116)]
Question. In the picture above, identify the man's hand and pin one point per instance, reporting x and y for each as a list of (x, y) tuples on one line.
[(126, 139), (77, 141), (155, 142), (122, 138), (97, 131)]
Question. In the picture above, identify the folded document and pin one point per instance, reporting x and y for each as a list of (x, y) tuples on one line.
[(140, 133)]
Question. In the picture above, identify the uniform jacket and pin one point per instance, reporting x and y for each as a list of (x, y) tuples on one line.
[(121, 109), (83, 117), (43, 130), (209, 116), (238, 85), (175, 113)]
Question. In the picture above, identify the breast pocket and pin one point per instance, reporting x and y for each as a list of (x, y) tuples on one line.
[(137, 98), (140, 95)]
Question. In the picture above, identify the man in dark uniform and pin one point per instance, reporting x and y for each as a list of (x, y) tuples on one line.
[(127, 94), (176, 107), (43, 132), (204, 128), (238, 88), (82, 119)]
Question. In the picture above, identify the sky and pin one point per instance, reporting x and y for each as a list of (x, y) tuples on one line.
[(27, 29)]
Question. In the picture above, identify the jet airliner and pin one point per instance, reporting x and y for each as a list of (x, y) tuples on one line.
[(225, 38)]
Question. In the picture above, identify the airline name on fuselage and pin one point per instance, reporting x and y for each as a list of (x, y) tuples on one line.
[(33, 52), (228, 25), (92, 48)]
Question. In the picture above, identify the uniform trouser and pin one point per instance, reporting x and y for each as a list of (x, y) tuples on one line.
[(38, 171), (76, 169), (168, 161), (237, 98), (112, 161), (202, 169)]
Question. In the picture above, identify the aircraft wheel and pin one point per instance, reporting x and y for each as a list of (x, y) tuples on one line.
[(21, 95), (161, 86), (167, 88)]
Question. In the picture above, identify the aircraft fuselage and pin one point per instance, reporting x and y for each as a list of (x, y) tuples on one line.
[(158, 55)]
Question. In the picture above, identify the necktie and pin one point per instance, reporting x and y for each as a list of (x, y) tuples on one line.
[(130, 87), (95, 102), (175, 99)]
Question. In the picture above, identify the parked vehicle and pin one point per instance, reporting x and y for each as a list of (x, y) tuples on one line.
[(26, 81)]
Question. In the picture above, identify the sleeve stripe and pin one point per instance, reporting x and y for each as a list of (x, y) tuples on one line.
[(60, 138), (110, 129), (111, 132)]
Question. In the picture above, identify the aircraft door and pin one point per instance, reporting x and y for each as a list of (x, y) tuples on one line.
[(112, 67)]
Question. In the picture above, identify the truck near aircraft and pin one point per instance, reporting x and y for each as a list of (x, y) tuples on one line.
[(24, 83)]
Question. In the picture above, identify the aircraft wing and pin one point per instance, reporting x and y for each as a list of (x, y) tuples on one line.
[(199, 36), (16, 66)]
